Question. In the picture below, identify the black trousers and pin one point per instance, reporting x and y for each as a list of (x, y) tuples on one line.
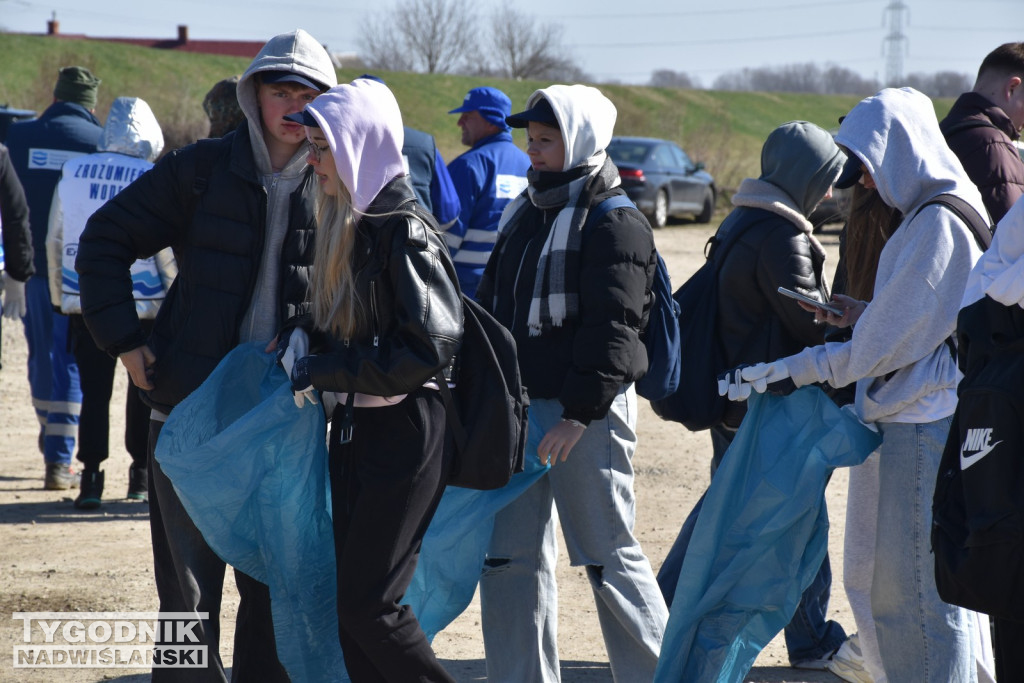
[(96, 373), (190, 578), (385, 487), (1007, 649)]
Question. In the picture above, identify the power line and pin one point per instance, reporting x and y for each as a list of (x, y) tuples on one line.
[(719, 41)]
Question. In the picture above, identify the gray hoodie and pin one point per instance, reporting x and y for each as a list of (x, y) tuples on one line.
[(300, 53), (922, 271)]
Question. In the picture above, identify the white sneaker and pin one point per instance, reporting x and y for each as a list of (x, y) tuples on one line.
[(848, 662)]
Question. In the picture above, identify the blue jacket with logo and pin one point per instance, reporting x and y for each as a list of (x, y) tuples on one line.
[(486, 178), (38, 150)]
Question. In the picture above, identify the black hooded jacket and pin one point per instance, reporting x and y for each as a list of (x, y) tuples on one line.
[(217, 238)]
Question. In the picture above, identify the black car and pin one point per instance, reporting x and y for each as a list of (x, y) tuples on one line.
[(662, 180)]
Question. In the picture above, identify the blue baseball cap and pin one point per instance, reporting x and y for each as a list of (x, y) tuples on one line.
[(492, 104), (290, 77)]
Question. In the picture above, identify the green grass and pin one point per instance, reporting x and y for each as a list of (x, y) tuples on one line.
[(723, 129)]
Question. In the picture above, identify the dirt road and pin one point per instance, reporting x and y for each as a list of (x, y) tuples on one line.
[(54, 558)]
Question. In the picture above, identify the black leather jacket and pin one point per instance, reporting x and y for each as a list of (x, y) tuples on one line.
[(406, 281)]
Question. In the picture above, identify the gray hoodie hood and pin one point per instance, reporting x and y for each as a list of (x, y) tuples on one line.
[(896, 136), (803, 161), (297, 52), (132, 129)]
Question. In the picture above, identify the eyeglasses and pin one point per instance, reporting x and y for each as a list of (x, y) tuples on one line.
[(316, 150)]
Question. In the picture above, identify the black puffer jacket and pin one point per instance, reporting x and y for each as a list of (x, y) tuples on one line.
[(218, 247), (755, 323), (583, 363), (405, 278)]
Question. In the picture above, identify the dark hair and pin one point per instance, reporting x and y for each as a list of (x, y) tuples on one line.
[(1008, 58), (870, 225)]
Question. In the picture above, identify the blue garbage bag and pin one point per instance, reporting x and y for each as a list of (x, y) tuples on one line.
[(761, 535), (251, 470), (456, 542)]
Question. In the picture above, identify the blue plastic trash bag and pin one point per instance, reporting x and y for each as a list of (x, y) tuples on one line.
[(456, 542), (761, 535), (251, 470)]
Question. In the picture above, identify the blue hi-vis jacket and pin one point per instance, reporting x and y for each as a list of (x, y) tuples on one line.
[(486, 178)]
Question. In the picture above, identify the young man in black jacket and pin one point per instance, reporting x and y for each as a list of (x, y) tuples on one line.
[(238, 213)]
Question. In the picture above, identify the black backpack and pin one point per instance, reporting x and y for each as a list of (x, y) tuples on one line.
[(487, 409), (977, 530), (696, 404), (661, 337), (979, 225)]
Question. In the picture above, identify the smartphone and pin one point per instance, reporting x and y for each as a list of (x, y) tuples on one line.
[(831, 308)]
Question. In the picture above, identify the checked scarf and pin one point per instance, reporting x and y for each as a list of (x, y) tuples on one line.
[(556, 290)]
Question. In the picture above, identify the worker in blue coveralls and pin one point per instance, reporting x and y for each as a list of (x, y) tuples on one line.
[(486, 177), (39, 148)]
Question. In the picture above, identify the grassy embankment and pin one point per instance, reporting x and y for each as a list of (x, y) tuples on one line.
[(723, 129)]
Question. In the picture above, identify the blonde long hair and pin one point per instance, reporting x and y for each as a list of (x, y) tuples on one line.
[(336, 308)]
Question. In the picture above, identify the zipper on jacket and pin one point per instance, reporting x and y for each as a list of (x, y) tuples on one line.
[(519, 271), (373, 312)]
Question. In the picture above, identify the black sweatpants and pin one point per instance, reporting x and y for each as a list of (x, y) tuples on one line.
[(385, 487), (96, 374), (189, 578)]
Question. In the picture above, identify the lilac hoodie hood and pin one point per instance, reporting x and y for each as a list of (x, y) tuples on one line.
[(363, 126)]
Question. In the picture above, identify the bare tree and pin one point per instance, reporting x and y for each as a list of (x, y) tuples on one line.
[(666, 78), (380, 47), (799, 78), (941, 84), (521, 47), (435, 36)]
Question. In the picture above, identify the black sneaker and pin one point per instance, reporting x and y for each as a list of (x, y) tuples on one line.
[(138, 484), (91, 494)]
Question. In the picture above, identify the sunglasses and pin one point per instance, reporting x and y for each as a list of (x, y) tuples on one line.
[(316, 150)]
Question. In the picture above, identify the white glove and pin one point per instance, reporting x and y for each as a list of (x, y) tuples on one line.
[(14, 298), (763, 374), (738, 383), (296, 346)]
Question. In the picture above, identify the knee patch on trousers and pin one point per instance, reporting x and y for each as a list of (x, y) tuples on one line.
[(495, 565)]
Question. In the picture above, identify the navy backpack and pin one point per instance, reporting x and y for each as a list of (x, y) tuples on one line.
[(661, 337)]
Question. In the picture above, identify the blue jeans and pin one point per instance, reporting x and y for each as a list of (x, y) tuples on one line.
[(920, 637), (593, 491), (52, 373), (809, 634)]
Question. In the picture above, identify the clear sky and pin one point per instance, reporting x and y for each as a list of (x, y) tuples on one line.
[(620, 41)]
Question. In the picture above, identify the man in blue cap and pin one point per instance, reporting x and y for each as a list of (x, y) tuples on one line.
[(486, 178)]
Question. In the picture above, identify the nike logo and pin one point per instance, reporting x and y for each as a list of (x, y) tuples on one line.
[(977, 440)]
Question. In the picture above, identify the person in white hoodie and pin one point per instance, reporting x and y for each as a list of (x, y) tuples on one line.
[(129, 144), (575, 294), (386, 319), (238, 213), (906, 375)]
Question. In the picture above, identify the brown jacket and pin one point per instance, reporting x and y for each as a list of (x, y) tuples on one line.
[(982, 136)]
